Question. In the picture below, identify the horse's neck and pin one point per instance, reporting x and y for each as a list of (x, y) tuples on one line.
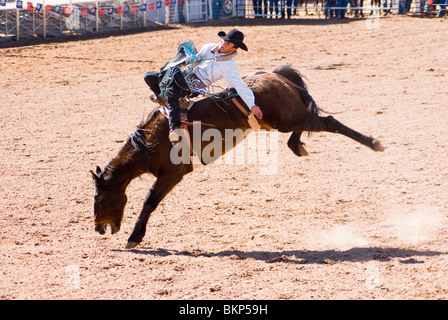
[(125, 166), (120, 169)]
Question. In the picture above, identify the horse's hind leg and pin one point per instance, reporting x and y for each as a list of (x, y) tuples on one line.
[(296, 145), (330, 124)]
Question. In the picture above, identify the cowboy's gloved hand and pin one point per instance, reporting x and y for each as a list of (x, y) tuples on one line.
[(257, 112)]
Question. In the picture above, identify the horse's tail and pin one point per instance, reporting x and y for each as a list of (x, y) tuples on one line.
[(313, 110)]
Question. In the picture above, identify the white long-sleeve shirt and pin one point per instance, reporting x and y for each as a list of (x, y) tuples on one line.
[(211, 70)]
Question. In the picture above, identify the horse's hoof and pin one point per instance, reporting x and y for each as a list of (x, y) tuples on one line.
[(302, 151), (131, 245), (377, 146)]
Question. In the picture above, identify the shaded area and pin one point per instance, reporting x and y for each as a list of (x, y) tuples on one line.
[(302, 256)]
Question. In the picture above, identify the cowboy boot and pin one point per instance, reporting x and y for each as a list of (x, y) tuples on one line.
[(157, 99)]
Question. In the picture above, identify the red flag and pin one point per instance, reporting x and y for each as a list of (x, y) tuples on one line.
[(67, 10), (29, 6), (48, 8), (151, 6), (134, 8), (84, 11), (167, 3), (430, 2), (119, 10), (101, 12)]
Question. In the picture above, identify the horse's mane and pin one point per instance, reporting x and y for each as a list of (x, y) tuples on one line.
[(143, 139), (148, 131)]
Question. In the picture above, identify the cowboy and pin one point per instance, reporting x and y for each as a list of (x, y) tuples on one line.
[(212, 63)]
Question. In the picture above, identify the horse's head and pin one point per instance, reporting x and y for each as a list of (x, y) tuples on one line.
[(109, 204)]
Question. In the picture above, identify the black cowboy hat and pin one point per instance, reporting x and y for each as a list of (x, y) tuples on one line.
[(235, 36)]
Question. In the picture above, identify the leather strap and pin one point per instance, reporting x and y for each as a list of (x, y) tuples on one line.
[(242, 109), (253, 123)]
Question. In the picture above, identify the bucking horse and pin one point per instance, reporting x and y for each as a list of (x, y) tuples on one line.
[(287, 107)]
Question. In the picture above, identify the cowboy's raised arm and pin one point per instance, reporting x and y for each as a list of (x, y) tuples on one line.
[(229, 71)]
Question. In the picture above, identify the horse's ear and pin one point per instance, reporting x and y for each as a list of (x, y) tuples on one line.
[(94, 176)]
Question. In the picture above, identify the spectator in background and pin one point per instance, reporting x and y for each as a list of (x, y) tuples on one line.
[(355, 4), (361, 5), (408, 6), (329, 13), (385, 9), (257, 7), (273, 7), (442, 10), (295, 4), (342, 8), (287, 4), (265, 8)]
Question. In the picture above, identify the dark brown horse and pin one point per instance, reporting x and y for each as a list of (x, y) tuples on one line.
[(286, 105)]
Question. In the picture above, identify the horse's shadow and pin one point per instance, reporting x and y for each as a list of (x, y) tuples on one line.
[(302, 256)]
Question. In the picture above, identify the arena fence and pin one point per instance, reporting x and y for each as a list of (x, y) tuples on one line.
[(56, 18)]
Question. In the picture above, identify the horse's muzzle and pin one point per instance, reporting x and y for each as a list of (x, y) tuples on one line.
[(101, 228)]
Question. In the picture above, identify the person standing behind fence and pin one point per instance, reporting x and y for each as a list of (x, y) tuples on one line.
[(353, 4), (442, 10), (257, 7), (361, 5), (356, 12), (287, 4), (265, 8), (329, 12), (342, 8), (387, 10), (273, 7), (407, 6), (295, 5)]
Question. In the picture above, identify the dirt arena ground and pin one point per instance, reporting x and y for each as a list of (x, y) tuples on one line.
[(343, 223)]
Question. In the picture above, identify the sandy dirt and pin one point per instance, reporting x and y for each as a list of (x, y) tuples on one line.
[(343, 223)]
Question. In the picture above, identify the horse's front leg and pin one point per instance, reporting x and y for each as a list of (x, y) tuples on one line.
[(163, 185)]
